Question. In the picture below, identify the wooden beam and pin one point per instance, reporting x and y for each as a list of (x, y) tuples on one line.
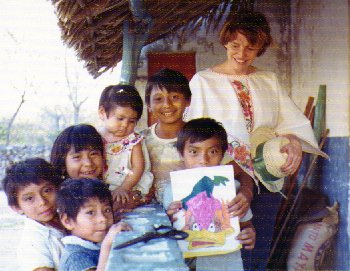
[(135, 35)]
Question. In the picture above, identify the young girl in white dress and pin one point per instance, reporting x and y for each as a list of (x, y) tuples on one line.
[(127, 162)]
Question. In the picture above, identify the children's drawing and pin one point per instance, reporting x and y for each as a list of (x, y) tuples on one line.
[(206, 218), (204, 193)]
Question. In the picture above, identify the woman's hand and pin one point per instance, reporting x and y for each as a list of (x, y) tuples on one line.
[(240, 204), (247, 237), (294, 151), (173, 208)]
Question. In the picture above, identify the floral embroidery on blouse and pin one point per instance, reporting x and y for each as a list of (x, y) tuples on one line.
[(119, 146), (116, 153), (240, 152), (245, 99), (237, 149)]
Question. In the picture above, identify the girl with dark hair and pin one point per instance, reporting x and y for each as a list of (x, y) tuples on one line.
[(127, 163), (78, 152)]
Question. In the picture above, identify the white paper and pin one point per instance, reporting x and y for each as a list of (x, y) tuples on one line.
[(213, 232)]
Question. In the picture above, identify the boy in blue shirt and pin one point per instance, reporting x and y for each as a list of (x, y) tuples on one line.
[(85, 209), (202, 143)]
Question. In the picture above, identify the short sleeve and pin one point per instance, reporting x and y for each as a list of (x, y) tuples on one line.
[(34, 252), (147, 177), (78, 261), (167, 196), (248, 216)]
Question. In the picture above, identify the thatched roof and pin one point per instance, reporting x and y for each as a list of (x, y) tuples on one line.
[(94, 27)]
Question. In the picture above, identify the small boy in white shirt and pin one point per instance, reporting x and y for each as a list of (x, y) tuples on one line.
[(31, 187)]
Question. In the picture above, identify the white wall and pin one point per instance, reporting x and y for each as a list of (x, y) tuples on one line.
[(320, 55), (318, 39), (210, 52)]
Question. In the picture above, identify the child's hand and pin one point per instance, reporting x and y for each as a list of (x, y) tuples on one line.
[(121, 196), (173, 208), (247, 238), (114, 230), (239, 205), (106, 244)]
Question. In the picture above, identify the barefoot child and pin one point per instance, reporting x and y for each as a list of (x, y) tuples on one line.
[(127, 161), (85, 210), (167, 95), (30, 187), (78, 152), (202, 143)]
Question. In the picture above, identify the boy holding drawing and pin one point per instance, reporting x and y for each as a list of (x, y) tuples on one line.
[(202, 143)]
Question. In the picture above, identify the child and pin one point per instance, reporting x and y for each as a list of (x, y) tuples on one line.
[(30, 187), (202, 143), (127, 161), (167, 96), (85, 210), (78, 152)]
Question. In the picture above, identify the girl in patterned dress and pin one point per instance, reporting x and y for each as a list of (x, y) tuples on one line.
[(127, 162)]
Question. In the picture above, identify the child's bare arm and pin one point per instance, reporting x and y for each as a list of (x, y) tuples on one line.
[(247, 235), (107, 244), (121, 194), (241, 203), (44, 269)]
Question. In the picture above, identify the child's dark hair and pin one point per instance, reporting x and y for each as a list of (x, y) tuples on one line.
[(170, 80), (74, 193), (80, 137), (251, 24), (198, 130), (24, 173), (121, 95)]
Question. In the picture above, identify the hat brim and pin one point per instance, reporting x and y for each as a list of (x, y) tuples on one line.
[(272, 186), (258, 136), (271, 182)]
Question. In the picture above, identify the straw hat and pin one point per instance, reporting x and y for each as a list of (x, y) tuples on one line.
[(267, 158)]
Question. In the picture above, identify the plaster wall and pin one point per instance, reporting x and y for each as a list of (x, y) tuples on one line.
[(311, 47), (320, 55), (210, 52)]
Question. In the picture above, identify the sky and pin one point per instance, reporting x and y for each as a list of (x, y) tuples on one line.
[(33, 57)]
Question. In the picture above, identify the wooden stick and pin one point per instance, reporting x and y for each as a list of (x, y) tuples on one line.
[(303, 184), (308, 107), (292, 180)]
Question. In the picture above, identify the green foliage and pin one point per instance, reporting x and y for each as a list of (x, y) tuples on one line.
[(25, 133)]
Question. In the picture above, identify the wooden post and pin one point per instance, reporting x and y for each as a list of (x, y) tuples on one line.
[(135, 35)]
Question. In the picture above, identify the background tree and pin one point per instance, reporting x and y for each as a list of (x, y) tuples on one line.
[(12, 119), (73, 92)]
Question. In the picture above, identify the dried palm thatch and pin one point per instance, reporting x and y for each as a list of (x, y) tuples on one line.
[(94, 27)]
